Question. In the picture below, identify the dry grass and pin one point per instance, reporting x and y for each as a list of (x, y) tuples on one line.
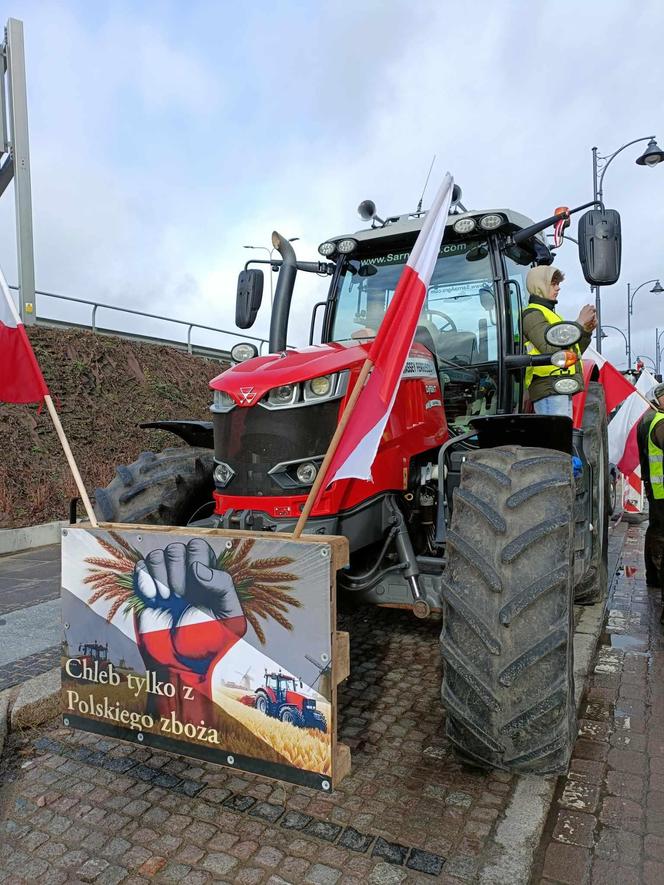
[(305, 748)]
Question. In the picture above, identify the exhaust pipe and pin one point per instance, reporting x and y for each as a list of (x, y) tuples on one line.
[(283, 293)]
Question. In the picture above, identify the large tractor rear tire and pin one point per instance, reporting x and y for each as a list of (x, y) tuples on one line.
[(592, 586), (168, 488), (508, 683)]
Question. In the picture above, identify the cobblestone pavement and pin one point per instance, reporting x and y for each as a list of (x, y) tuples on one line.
[(79, 809), (606, 826)]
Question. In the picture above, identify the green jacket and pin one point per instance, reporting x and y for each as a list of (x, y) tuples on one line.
[(534, 329)]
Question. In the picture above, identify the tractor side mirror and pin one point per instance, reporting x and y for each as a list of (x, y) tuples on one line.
[(249, 297), (600, 246)]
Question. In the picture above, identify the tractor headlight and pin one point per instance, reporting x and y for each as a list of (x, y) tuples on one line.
[(326, 249), (347, 246), (569, 385), (222, 401), (306, 473), (491, 222), (563, 334), (464, 225), (240, 353), (223, 474), (319, 386), (283, 395)]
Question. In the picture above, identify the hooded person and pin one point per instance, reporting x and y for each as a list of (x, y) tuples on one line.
[(543, 284), (650, 440)]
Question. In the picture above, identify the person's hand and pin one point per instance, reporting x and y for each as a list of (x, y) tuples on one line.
[(191, 612), (587, 317)]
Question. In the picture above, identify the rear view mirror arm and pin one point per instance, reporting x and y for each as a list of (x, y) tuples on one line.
[(528, 232)]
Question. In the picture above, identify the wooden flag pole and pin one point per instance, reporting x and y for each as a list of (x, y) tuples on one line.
[(70, 460), (331, 449)]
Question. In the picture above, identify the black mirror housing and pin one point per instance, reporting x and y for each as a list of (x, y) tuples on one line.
[(249, 297), (600, 246)]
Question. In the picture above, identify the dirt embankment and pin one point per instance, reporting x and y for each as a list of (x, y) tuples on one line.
[(103, 388)]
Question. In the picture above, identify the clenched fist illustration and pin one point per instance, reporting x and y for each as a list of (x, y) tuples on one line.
[(191, 616)]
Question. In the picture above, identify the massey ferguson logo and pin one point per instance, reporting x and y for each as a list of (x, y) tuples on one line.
[(247, 395)]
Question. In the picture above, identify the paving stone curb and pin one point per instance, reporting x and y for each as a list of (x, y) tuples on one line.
[(517, 836), (30, 536), (29, 704)]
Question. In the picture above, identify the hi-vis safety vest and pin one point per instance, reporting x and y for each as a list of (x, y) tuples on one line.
[(542, 371), (656, 460)]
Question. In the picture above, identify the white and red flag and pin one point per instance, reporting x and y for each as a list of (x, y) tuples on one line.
[(623, 448), (21, 379), (357, 448), (616, 387)]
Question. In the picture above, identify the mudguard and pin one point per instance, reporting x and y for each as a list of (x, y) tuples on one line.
[(194, 433), (551, 431)]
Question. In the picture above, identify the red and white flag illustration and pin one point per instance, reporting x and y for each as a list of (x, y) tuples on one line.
[(21, 380), (616, 387), (623, 448), (389, 351)]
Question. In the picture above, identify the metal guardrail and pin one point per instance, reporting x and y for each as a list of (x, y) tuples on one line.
[(202, 350)]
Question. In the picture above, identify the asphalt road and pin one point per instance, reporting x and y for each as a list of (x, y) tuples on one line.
[(30, 630)]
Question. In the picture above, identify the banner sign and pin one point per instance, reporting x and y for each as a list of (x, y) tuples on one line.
[(212, 644)]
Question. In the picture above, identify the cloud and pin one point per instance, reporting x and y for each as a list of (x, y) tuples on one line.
[(162, 144)]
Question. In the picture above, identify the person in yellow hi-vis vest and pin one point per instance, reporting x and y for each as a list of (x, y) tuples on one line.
[(543, 284), (650, 439)]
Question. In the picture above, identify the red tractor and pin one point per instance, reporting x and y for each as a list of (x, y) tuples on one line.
[(478, 509), (280, 699)]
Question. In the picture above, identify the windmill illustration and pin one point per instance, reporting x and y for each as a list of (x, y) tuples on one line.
[(324, 676), (245, 679)]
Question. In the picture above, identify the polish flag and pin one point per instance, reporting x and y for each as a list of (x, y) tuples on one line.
[(21, 380), (616, 387), (388, 354), (623, 448)]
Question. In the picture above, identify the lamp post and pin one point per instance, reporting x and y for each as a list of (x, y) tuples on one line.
[(652, 155), (269, 253), (658, 350), (616, 329), (656, 289)]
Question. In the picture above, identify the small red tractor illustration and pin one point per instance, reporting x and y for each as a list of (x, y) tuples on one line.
[(279, 698)]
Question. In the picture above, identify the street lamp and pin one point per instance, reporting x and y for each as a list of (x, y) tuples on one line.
[(616, 329), (269, 252), (656, 289), (658, 350), (652, 156)]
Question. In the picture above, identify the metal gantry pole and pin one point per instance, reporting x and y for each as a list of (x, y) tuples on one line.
[(20, 158), (629, 328), (598, 303), (657, 351)]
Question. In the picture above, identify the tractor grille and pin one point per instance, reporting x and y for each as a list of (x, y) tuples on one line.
[(252, 441)]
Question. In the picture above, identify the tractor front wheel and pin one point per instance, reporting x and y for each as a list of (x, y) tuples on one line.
[(508, 684), (291, 715), (172, 487)]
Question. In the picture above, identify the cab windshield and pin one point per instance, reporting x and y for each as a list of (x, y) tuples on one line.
[(458, 319)]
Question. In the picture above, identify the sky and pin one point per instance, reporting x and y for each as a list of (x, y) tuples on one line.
[(165, 137)]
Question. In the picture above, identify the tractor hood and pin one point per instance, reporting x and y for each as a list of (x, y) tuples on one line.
[(247, 382)]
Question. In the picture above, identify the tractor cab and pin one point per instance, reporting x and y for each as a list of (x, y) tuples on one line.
[(280, 684), (471, 315)]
